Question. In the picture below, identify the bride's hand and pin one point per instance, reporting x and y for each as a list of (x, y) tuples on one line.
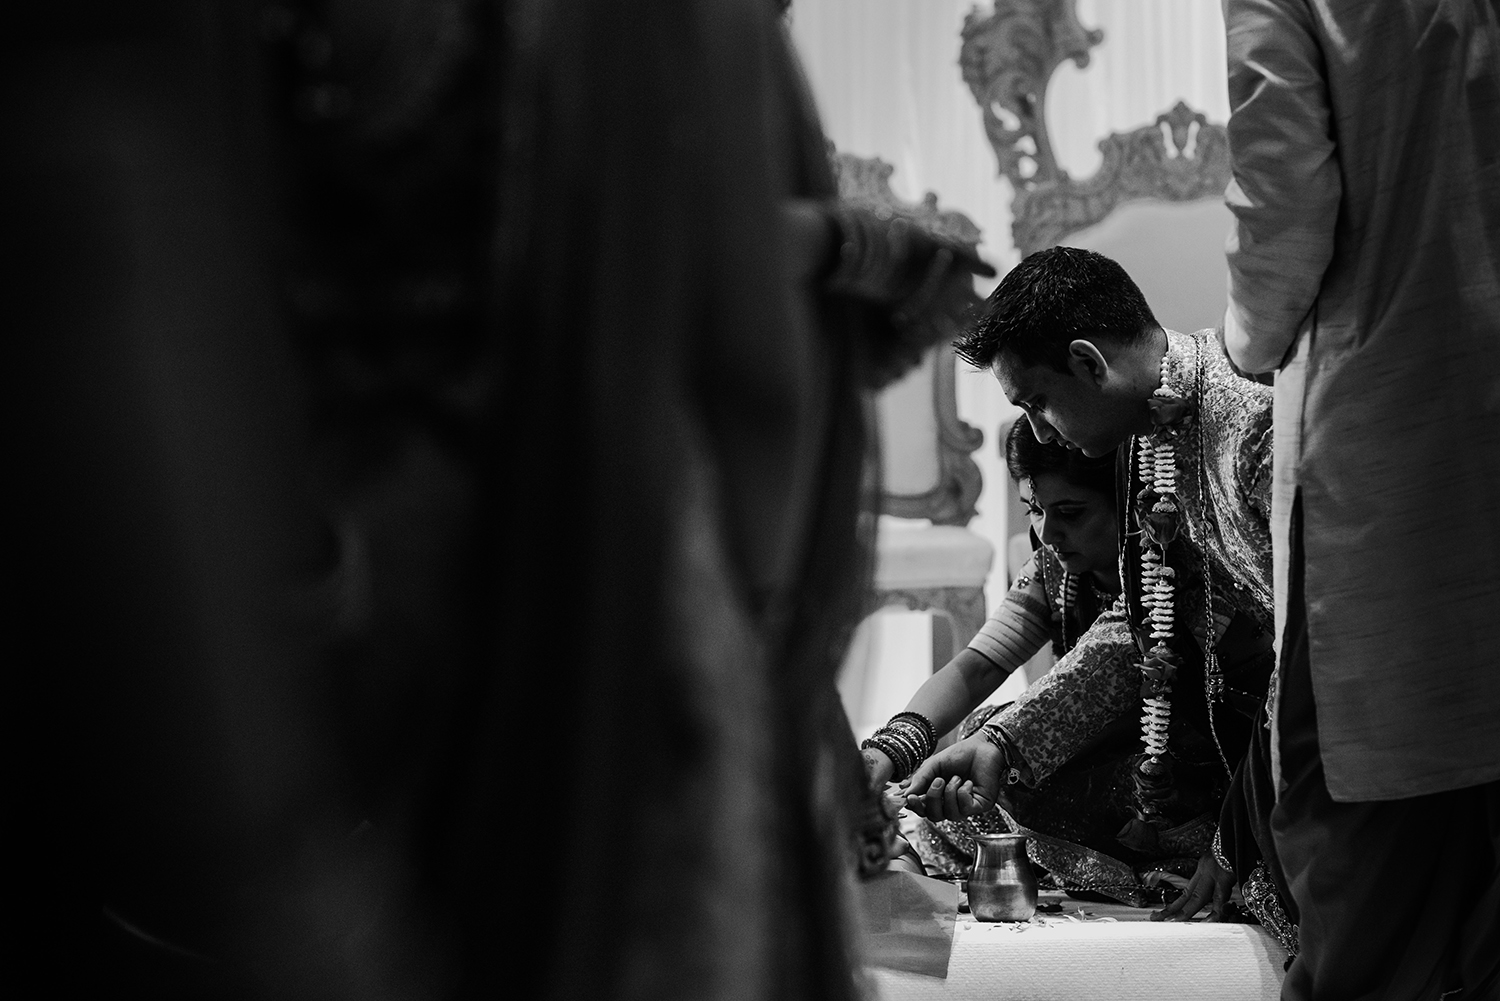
[(878, 767)]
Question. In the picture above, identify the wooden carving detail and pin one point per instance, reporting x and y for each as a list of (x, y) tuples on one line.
[(1007, 58), (1182, 157), (866, 182)]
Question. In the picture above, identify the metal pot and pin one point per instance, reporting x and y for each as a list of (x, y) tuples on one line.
[(1002, 886)]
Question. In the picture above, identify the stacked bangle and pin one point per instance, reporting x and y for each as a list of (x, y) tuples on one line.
[(907, 740), (998, 737)]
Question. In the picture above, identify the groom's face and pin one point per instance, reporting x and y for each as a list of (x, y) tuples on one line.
[(1074, 408)]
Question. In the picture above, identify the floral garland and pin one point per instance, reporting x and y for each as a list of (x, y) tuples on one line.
[(1157, 504), (1159, 508)]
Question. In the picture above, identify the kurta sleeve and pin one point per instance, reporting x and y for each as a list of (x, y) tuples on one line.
[(1096, 682), (1285, 188), (1020, 626)]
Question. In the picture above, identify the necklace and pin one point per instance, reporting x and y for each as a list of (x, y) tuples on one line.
[(1066, 585), (1067, 597)]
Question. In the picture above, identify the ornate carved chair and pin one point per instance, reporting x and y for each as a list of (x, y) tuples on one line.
[(927, 559), (1156, 203)]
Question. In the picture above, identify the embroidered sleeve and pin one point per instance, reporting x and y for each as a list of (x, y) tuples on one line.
[(1097, 681), (1254, 463), (1020, 626)]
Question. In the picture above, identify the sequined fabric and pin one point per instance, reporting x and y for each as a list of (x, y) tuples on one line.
[(948, 847), (1224, 470), (1218, 853), (1261, 900), (1094, 683)]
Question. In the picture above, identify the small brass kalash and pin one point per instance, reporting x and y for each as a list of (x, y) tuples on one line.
[(1002, 886)]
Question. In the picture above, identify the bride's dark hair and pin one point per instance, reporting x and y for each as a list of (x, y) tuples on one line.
[(1026, 457)]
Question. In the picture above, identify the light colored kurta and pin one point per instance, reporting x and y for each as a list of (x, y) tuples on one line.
[(1366, 147)]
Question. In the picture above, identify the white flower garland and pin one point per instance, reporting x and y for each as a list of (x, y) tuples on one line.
[(1159, 515), (1158, 464)]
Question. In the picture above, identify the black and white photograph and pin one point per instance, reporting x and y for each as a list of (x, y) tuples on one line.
[(753, 500)]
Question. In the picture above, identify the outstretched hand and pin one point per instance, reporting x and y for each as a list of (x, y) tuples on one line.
[(958, 781), (1209, 887), (919, 283), (894, 261)]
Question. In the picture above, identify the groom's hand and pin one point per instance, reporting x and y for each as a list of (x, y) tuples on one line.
[(957, 782), (1210, 887)]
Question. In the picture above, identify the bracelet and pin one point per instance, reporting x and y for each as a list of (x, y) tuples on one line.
[(928, 731), (907, 740), (901, 756), (996, 736)]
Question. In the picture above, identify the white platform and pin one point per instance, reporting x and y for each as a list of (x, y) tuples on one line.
[(1098, 951)]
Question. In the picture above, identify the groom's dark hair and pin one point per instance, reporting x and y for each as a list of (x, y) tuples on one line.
[(1051, 298)]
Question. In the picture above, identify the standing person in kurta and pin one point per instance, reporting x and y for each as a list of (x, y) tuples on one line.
[(1365, 266)]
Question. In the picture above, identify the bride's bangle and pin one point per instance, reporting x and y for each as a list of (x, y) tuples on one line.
[(907, 740)]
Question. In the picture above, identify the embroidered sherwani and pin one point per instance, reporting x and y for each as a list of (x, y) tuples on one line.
[(1224, 465), (1224, 483)]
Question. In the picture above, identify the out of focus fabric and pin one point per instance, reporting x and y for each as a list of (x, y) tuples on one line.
[(1368, 234), (421, 425)]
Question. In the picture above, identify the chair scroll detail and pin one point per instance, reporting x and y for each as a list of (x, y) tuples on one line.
[(951, 500), (938, 566), (1007, 58), (1182, 157)]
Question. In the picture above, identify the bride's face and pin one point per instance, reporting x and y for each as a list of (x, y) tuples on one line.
[(1076, 523)]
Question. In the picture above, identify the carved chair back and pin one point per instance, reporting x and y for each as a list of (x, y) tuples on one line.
[(926, 451)]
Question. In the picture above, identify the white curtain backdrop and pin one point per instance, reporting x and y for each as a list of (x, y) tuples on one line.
[(886, 78)]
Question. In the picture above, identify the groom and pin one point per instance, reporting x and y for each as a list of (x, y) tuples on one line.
[(1073, 343)]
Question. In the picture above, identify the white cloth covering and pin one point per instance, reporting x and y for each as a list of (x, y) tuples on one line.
[(1098, 951)]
